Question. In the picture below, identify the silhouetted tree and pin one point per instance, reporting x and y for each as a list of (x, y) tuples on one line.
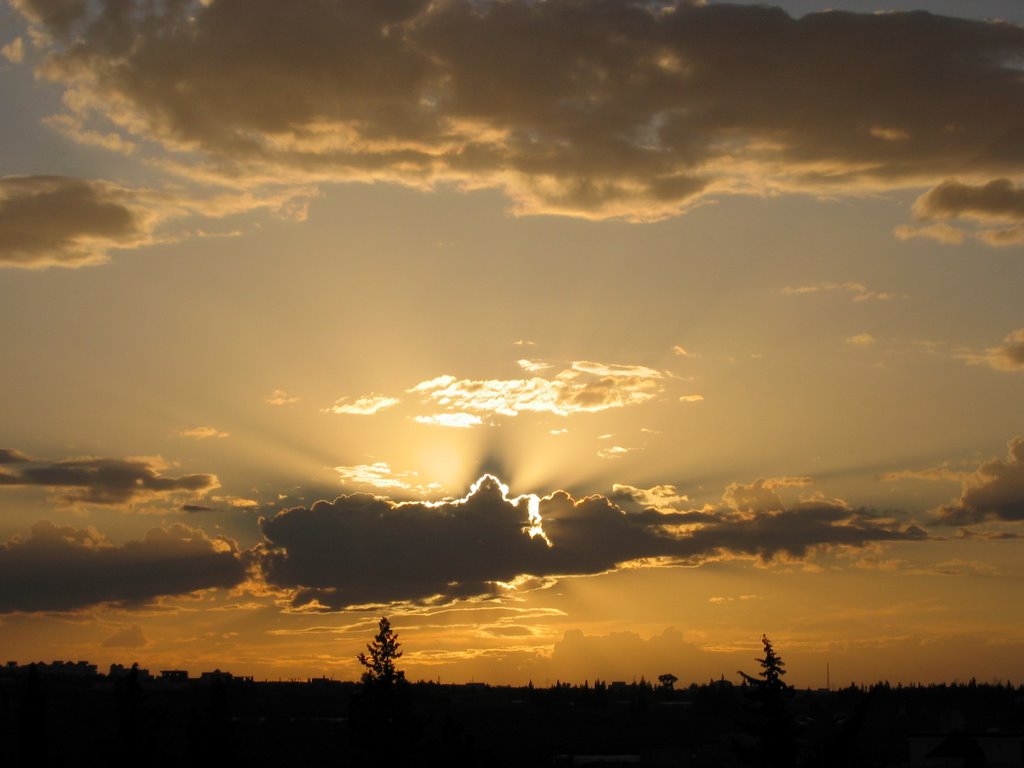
[(776, 745), (383, 653), (772, 671), (381, 712), (667, 680)]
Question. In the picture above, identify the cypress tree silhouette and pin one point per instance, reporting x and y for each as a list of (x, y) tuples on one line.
[(381, 713), (383, 653), (776, 745)]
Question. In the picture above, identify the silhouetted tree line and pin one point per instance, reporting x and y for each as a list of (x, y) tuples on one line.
[(387, 720)]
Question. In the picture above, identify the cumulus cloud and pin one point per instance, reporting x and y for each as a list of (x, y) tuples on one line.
[(994, 492), (1008, 356), (363, 406), (347, 552), (105, 481), (60, 568), (596, 109)]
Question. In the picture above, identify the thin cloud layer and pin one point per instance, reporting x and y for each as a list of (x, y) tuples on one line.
[(104, 481), (60, 568), (995, 492), (598, 109), (362, 549)]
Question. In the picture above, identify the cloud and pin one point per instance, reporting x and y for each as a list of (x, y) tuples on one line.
[(14, 51), (280, 397), (50, 221), (454, 420), (106, 481), (997, 202), (61, 221), (13, 456), (861, 340), (533, 366), (857, 291), (60, 568), (682, 351), (363, 406), (613, 452), (691, 398), (656, 497), (380, 475), (597, 109), (127, 637), (202, 433), (943, 473), (1008, 356), (994, 492), (584, 387), (940, 233), (361, 549)]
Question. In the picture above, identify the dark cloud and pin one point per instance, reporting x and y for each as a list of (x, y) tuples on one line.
[(13, 456), (998, 200), (995, 492), (590, 107), (60, 568), (106, 481), (196, 508), (362, 549), (58, 221)]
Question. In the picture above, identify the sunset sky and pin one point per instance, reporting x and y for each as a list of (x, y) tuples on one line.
[(583, 338)]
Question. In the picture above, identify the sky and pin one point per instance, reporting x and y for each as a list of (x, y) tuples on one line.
[(583, 338)]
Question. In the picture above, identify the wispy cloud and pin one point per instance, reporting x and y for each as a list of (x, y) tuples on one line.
[(280, 397), (856, 291), (584, 387), (1008, 356), (203, 433), (363, 406)]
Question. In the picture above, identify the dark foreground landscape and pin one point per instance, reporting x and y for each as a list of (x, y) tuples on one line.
[(69, 714)]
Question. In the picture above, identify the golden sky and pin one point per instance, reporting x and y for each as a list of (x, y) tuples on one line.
[(584, 338)]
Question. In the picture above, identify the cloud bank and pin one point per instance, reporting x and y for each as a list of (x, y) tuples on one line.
[(598, 109), (361, 549), (60, 568)]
